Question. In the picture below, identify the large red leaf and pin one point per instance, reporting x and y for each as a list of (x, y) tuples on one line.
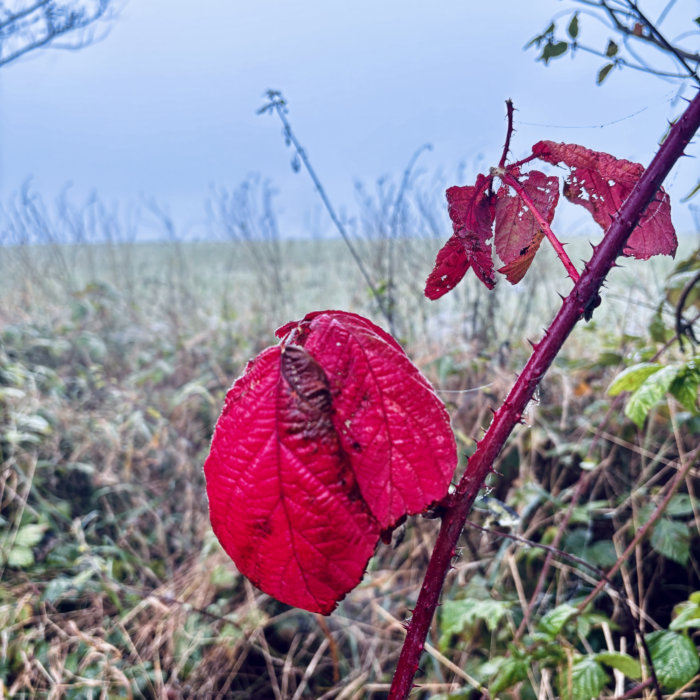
[(601, 183), (451, 264), (282, 495), (518, 235), (390, 421)]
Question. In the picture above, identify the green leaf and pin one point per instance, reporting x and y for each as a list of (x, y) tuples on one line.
[(492, 666), (687, 616), (512, 671), (611, 49), (553, 50), (458, 614), (622, 662), (572, 29), (601, 554), (650, 393), (30, 535), (632, 378), (554, 620), (671, 540), (20, 557), (697, 20), (680, 504), (588, 678), (685, 388), (674, 656), (603, 73)]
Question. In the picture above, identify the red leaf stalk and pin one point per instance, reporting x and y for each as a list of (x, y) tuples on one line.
[(581, 298), (556, 244)]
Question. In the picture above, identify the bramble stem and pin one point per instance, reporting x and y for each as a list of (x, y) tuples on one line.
[(509, 133), (480, 464), (544, 225), (518, 163)]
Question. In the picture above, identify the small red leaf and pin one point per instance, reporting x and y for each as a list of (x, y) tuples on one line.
[(281, 490), (601, 183), (515, 270), (451, 264), (472, 217), (518, 235), (389, 419)]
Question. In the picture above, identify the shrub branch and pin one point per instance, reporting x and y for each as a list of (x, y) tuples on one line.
[(578, 303)]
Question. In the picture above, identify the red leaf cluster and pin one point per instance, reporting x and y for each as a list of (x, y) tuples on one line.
[(325, 442), (601, 183), (472, 217), (597, 181)]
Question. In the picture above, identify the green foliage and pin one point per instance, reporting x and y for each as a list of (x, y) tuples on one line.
[(588, 679), (511, 671), (674, 656), (552, 623), (622, 662), (553, 50), (632, 378), (603, 73), (456, 615), (687, 615), (572, 27), (671, 540)]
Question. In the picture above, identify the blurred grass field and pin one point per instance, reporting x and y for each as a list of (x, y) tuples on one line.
[(114, 363)]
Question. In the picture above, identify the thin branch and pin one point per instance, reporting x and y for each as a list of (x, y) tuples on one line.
[(548, 548), (663, 42), (682, 326), (278, 104), (394, 229), (649, 39)]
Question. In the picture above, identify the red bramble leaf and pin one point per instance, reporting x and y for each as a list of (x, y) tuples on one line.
[(472, 217), (451, 264), (388, 416), (601, 183), (324, 441), (518, 235), (281, 494)]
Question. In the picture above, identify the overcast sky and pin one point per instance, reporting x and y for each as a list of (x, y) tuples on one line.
[(165, 105)]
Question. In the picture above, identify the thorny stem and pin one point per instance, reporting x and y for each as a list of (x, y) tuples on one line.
[(509, 133), (480, 464), (544, 225)]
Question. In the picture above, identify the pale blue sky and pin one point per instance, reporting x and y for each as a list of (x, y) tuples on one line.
[(165, 106)]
